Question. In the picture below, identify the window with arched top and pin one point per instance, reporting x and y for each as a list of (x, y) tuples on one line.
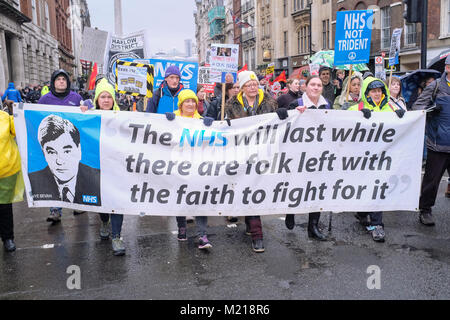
[(360, 6)]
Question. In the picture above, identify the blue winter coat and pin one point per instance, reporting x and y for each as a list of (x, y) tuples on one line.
[(12, 94), (163, 101), (438, 122)]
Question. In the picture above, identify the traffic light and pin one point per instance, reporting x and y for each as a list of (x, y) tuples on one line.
[(413, 10)]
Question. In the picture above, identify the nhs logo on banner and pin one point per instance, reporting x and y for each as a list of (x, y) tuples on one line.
[(188, 70), (353, 35), (89, 199)]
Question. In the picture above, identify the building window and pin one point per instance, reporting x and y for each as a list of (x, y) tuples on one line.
[(285, 8), (47, 19), (386, 27), (33, 11), (285, 42), (325, 33), (411, 34), (299, 39)]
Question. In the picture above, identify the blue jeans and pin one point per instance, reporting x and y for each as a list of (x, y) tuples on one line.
[(376, 218), (116, 222), (201, 223)]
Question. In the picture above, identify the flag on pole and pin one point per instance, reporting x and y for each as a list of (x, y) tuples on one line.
[(281, 77), (93, 76), (244, 68)]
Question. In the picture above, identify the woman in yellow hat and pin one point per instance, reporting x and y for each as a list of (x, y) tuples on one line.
[(187, 107)]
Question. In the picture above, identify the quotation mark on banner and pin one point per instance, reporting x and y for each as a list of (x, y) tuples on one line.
[(394, 182)]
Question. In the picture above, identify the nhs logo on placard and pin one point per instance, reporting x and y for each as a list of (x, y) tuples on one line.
[(188, 70), (89, 199)]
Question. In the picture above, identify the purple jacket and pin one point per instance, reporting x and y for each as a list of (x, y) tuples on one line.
[(72, 99)]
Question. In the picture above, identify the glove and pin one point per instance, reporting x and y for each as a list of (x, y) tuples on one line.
[(282, 113), (323, 106), (367, 113), (345, 106), (228, 122), (88, 103), (400, 113), (312, 107), (170, 116), (207, 121)]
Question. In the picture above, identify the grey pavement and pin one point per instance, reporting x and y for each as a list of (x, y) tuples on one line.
[(414, 260)]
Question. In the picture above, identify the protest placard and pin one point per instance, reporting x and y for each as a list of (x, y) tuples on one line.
[(93, 45), (224, 58), (395, 46), (353, 36), (135, 79), (118, 48), (321, 160)]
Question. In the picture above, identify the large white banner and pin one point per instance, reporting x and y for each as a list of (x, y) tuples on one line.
[(139, 163)]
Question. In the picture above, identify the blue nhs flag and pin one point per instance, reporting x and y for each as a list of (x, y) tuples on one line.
[(353, 35)]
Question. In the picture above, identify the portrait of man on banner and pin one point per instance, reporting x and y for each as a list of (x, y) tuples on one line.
[(65, 177)]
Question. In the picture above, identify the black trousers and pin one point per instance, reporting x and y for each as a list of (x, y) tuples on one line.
[(6, 222), (437, 163)]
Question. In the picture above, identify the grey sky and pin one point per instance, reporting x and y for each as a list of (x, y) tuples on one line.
[(169, 22)]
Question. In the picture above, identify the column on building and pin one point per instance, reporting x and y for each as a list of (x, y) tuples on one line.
[(4, 62), (18, 72), (26, 64)]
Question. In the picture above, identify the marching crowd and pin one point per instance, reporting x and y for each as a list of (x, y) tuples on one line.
[(249, 96)]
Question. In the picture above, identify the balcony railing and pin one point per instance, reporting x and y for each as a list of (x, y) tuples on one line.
[(216, 13), (247, 6), (249, 35)]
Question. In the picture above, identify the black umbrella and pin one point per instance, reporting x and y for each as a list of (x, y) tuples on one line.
[(411, 81), (438, 63)]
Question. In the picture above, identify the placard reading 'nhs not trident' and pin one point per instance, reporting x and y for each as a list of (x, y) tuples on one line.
[(353, 35)]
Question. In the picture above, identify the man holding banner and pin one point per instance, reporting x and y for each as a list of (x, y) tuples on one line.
[(165, 99)]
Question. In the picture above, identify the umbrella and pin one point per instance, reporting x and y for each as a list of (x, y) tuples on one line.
[(411, 81), (438, 63), (300, 73), (326, 58)]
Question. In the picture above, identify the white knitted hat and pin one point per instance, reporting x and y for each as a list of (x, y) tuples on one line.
[(246, 76)]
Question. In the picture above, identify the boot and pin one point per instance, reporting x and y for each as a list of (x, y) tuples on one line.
[(290, 221), (313, 227)]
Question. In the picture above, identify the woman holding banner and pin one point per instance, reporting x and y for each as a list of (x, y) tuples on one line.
[(251, 101), (105, 100), (343, 102), (311, 99), (11, 181), (375, 98), (188, 108), (395, 88)]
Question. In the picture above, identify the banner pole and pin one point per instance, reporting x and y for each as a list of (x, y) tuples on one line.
[(223, 102), (390, 77), (348, 83)]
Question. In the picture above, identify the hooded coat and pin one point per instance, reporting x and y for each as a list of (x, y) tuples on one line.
[(67, 98), (11, 94), (367, 102), (340, 100), (164, 100), (235, 108)]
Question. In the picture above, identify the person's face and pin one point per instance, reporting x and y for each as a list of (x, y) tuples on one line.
[(428, 82), (394, 88), (447, 69), (295, 86), (263, 81), (62, 156), (105, 101), (303, 86), (234, 91), (341, 75), (188, 107), (201, 94), (314, 88), (173, 81), (325, 77), (229, 78), (60, 84), (376, 94), (355, 86), (251, 88)]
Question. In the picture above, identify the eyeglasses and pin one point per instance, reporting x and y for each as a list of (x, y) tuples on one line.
[(254, 85)]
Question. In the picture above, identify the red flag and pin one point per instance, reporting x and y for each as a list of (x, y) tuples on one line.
[(281, 77), (93, 76), (244, 68)]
